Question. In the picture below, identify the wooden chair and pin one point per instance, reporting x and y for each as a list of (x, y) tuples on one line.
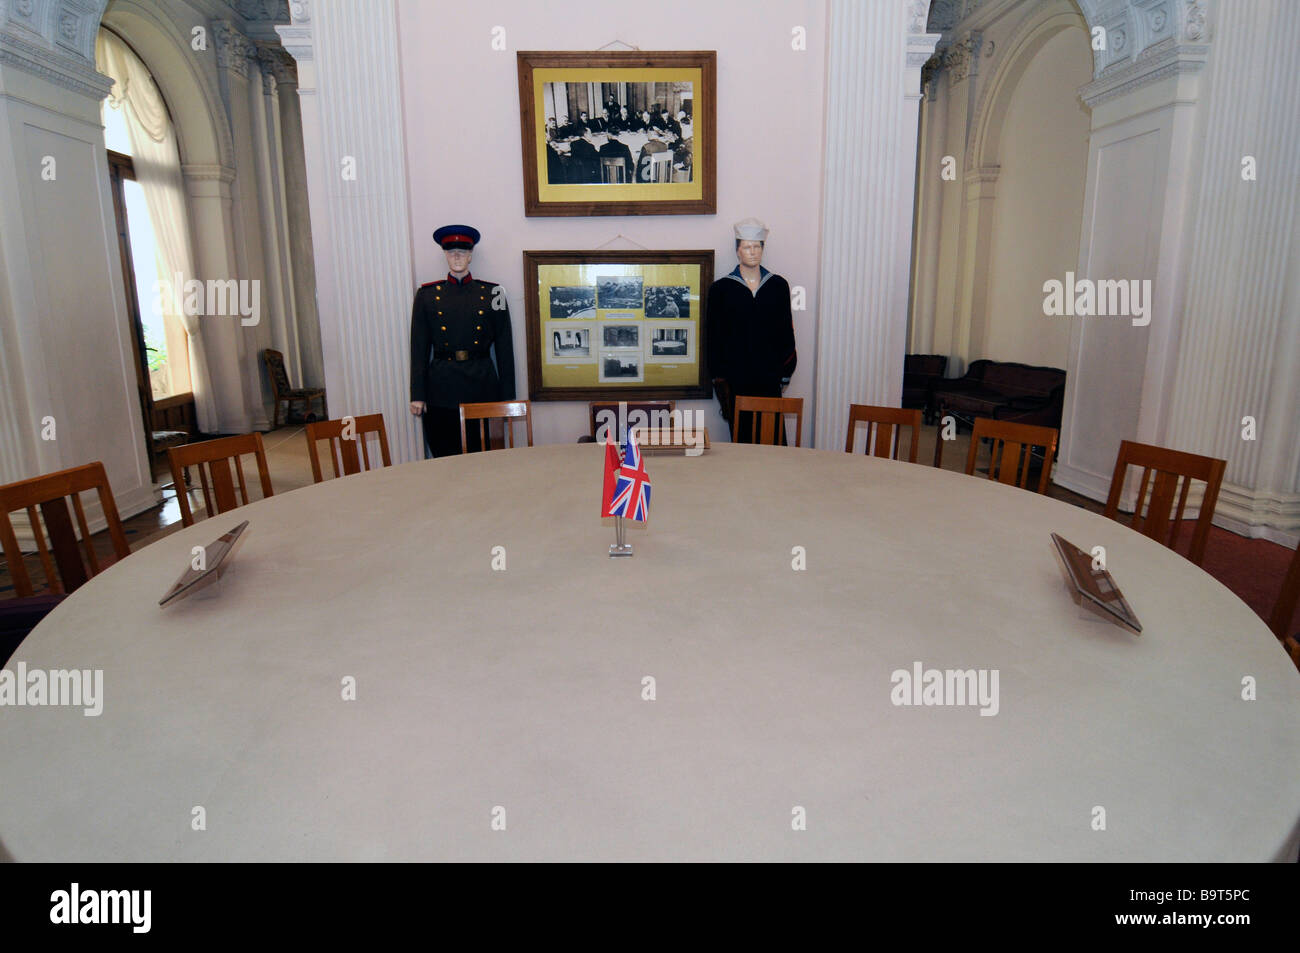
[(345, 447), (1171, 467), (768, 413), (214, 459), (1286, 601), (612, 171), (1015, 442), (49, 493), (887, 423), (485, 413), (286, 394), (650, 408)]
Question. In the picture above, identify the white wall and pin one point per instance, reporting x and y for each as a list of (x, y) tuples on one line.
[(461, 125), (1044, 156)]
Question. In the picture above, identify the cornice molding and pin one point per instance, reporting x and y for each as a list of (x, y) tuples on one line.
[(1167, 58), (68, 71), (1133, 28)]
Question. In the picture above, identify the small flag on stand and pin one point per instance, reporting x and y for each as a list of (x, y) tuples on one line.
[(626, 491)]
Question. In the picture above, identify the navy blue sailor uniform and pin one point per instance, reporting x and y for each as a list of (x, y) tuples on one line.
[(455, 327), (751, 344)]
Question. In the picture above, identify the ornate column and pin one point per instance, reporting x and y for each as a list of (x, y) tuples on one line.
[(873, 98), (929, 215), (350, 93), (241, 88), (297, 234), (270, 202)]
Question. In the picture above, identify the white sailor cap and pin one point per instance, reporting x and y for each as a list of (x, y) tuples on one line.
[(751, 230)]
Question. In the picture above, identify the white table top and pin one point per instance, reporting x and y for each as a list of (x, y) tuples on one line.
[(522, 689)]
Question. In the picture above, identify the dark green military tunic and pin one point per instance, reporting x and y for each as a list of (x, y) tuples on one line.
[(454, 329)]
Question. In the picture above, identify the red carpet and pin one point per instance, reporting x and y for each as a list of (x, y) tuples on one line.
[(1252, 568)]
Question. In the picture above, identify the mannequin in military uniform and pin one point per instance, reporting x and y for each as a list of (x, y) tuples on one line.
[(456, 323), (750, 330)]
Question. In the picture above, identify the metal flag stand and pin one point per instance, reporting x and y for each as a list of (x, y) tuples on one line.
[(621, 546)]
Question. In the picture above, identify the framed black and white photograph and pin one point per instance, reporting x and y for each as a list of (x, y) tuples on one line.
[(620, 335), (569, 342), (573, 302), (619, 291), (621, 367), (618, 133), (671, 344), (673, 301), (630, 345)]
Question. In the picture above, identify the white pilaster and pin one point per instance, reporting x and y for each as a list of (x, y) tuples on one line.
[(350, 90), (1136, 221), (1240, 350), (873, 97)]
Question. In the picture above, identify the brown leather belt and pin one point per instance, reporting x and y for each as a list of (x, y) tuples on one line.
[(458, 355)]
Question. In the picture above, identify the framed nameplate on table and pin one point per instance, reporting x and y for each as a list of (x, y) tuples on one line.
[(616, 325), (619, 133), (1095, 584), (217, 558)]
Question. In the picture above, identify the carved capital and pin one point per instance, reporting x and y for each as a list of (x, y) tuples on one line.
[(960, 59), (234, 50)]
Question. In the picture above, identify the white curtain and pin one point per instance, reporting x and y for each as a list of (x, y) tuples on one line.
[(158, 171)]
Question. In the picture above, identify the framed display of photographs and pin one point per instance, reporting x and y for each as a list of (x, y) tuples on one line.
[(619, 133), (616, 325)]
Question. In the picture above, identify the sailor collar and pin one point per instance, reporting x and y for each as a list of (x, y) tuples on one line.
[(763, 275)]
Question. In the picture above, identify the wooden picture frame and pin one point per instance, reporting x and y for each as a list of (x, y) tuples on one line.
[(617, 325), (673, 162)]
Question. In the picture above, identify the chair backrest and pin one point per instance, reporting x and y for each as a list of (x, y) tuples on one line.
[(1171, 467), (887, 423), (275, 368), (1011, 443), (654, 411), (612, 170), (345, 435), (484, 413), (214, 459), (768, 417), (661, 166), (1287, 599), (49, 493)]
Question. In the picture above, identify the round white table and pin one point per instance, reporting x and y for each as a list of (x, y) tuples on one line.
[(518, 698)]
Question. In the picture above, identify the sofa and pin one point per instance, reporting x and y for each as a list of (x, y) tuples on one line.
[(1004, 391), (921, 374)]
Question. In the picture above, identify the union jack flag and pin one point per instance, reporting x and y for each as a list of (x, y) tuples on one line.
[(630, 496)]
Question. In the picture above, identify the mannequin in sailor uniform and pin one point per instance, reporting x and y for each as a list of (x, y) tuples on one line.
[(455, 325), (751, 348)]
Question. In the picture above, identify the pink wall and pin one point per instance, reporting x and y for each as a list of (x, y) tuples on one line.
[(461, 103)]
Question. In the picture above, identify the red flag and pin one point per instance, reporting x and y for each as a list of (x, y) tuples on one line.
[(612, 464)]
